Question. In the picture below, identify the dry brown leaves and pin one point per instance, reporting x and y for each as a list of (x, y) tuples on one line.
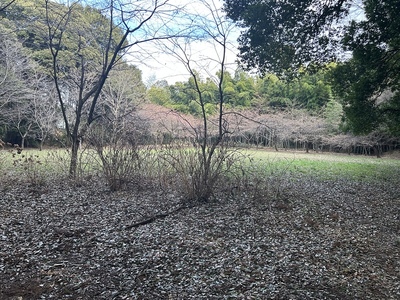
[(320, 240)]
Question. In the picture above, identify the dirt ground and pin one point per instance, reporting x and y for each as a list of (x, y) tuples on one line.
[(317, 240)]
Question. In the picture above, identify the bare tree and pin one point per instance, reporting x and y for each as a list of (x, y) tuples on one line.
[(14, 64), (44, 112), (116, 134), (18, 84), (130, 23), (34, 113), (122, 94), (211, 156)]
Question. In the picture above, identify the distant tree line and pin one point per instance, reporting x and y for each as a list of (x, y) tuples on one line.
[(309, 91)]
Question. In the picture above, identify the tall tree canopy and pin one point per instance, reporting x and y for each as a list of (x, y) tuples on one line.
[(282, 35), (369, 82)]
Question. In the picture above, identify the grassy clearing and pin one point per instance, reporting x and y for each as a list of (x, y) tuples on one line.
[(37, 165), (328, 166), (32, 166)]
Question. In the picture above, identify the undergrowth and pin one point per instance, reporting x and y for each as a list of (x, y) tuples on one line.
[(261, 175)]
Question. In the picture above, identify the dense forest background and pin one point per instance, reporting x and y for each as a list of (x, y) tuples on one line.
[(306, 109)]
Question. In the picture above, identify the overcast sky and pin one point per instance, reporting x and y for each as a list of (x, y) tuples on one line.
[(156, 65)]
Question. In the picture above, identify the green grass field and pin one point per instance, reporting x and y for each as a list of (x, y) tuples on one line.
[(330, 166), (325, 166)]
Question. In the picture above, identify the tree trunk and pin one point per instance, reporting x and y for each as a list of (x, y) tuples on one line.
[(378, 151), (74, 157)]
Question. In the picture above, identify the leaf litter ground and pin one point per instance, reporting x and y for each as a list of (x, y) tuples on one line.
[(319, 240)]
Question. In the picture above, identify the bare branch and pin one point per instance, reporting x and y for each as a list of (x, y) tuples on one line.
[(6, 5)]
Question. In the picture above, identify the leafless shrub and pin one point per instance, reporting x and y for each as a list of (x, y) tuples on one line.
[(86, 163), (117, 156), (29, 168), (4, 167), (265, 181), (199, 175), (39, 168), (123, 161)]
